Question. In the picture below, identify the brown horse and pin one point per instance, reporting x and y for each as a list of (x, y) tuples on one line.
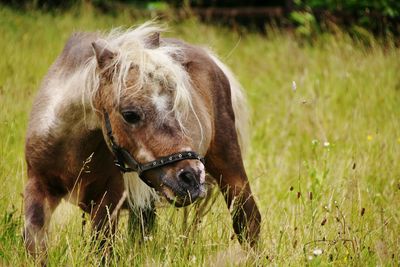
[(132, 112)]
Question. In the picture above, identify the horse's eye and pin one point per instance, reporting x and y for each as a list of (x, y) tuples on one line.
[(131, 117)]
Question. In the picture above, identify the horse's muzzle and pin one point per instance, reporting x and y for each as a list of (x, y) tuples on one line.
[(185, 188)]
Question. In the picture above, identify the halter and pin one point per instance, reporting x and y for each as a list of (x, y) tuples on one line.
[(126, 163)]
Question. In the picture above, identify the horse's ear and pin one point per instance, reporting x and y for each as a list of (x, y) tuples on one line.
[(153, 40), (104, 56), (181, 59)]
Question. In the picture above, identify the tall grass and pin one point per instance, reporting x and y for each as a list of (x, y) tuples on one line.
[(323, 161)]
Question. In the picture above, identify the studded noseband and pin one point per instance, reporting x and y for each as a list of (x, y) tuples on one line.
[(126, 163)]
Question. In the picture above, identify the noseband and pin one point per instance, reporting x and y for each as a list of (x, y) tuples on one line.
[(126, 163)]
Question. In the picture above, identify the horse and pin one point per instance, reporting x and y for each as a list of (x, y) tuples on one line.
[(130, 113)]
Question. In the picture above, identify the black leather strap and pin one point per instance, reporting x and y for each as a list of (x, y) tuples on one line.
[(170, 159), (120, 154)]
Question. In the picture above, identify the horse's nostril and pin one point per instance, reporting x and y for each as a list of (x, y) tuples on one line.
[(188, 177)]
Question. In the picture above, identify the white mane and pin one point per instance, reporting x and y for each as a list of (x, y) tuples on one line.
[(130, 48)]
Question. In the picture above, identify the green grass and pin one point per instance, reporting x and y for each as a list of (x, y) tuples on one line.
[(323, 163)]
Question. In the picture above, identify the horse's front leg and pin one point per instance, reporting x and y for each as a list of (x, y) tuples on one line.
[(224, 163), (104, 210), (40, 200)]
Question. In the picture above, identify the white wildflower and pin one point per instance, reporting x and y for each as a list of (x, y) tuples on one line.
[(148, 238), (193, 259), (317, 252), (326, 144), (294, 86)]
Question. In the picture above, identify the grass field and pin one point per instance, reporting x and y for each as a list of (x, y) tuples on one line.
[(323, 162)]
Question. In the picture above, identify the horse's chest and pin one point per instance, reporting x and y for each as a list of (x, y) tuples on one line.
[(87, 154), (69, 158)]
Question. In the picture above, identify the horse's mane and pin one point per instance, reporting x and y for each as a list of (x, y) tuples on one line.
[(131, 47)]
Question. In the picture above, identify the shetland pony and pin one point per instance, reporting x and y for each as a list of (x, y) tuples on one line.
[(131, 112)]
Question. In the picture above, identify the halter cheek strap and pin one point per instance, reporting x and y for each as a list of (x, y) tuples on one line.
[(126, 163)]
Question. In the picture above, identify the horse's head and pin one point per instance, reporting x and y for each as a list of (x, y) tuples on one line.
[(141, 99)]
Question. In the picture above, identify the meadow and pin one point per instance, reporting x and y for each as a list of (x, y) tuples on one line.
[(323, 161)]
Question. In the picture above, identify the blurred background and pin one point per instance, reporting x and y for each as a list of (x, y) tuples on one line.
[(305, 16)]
